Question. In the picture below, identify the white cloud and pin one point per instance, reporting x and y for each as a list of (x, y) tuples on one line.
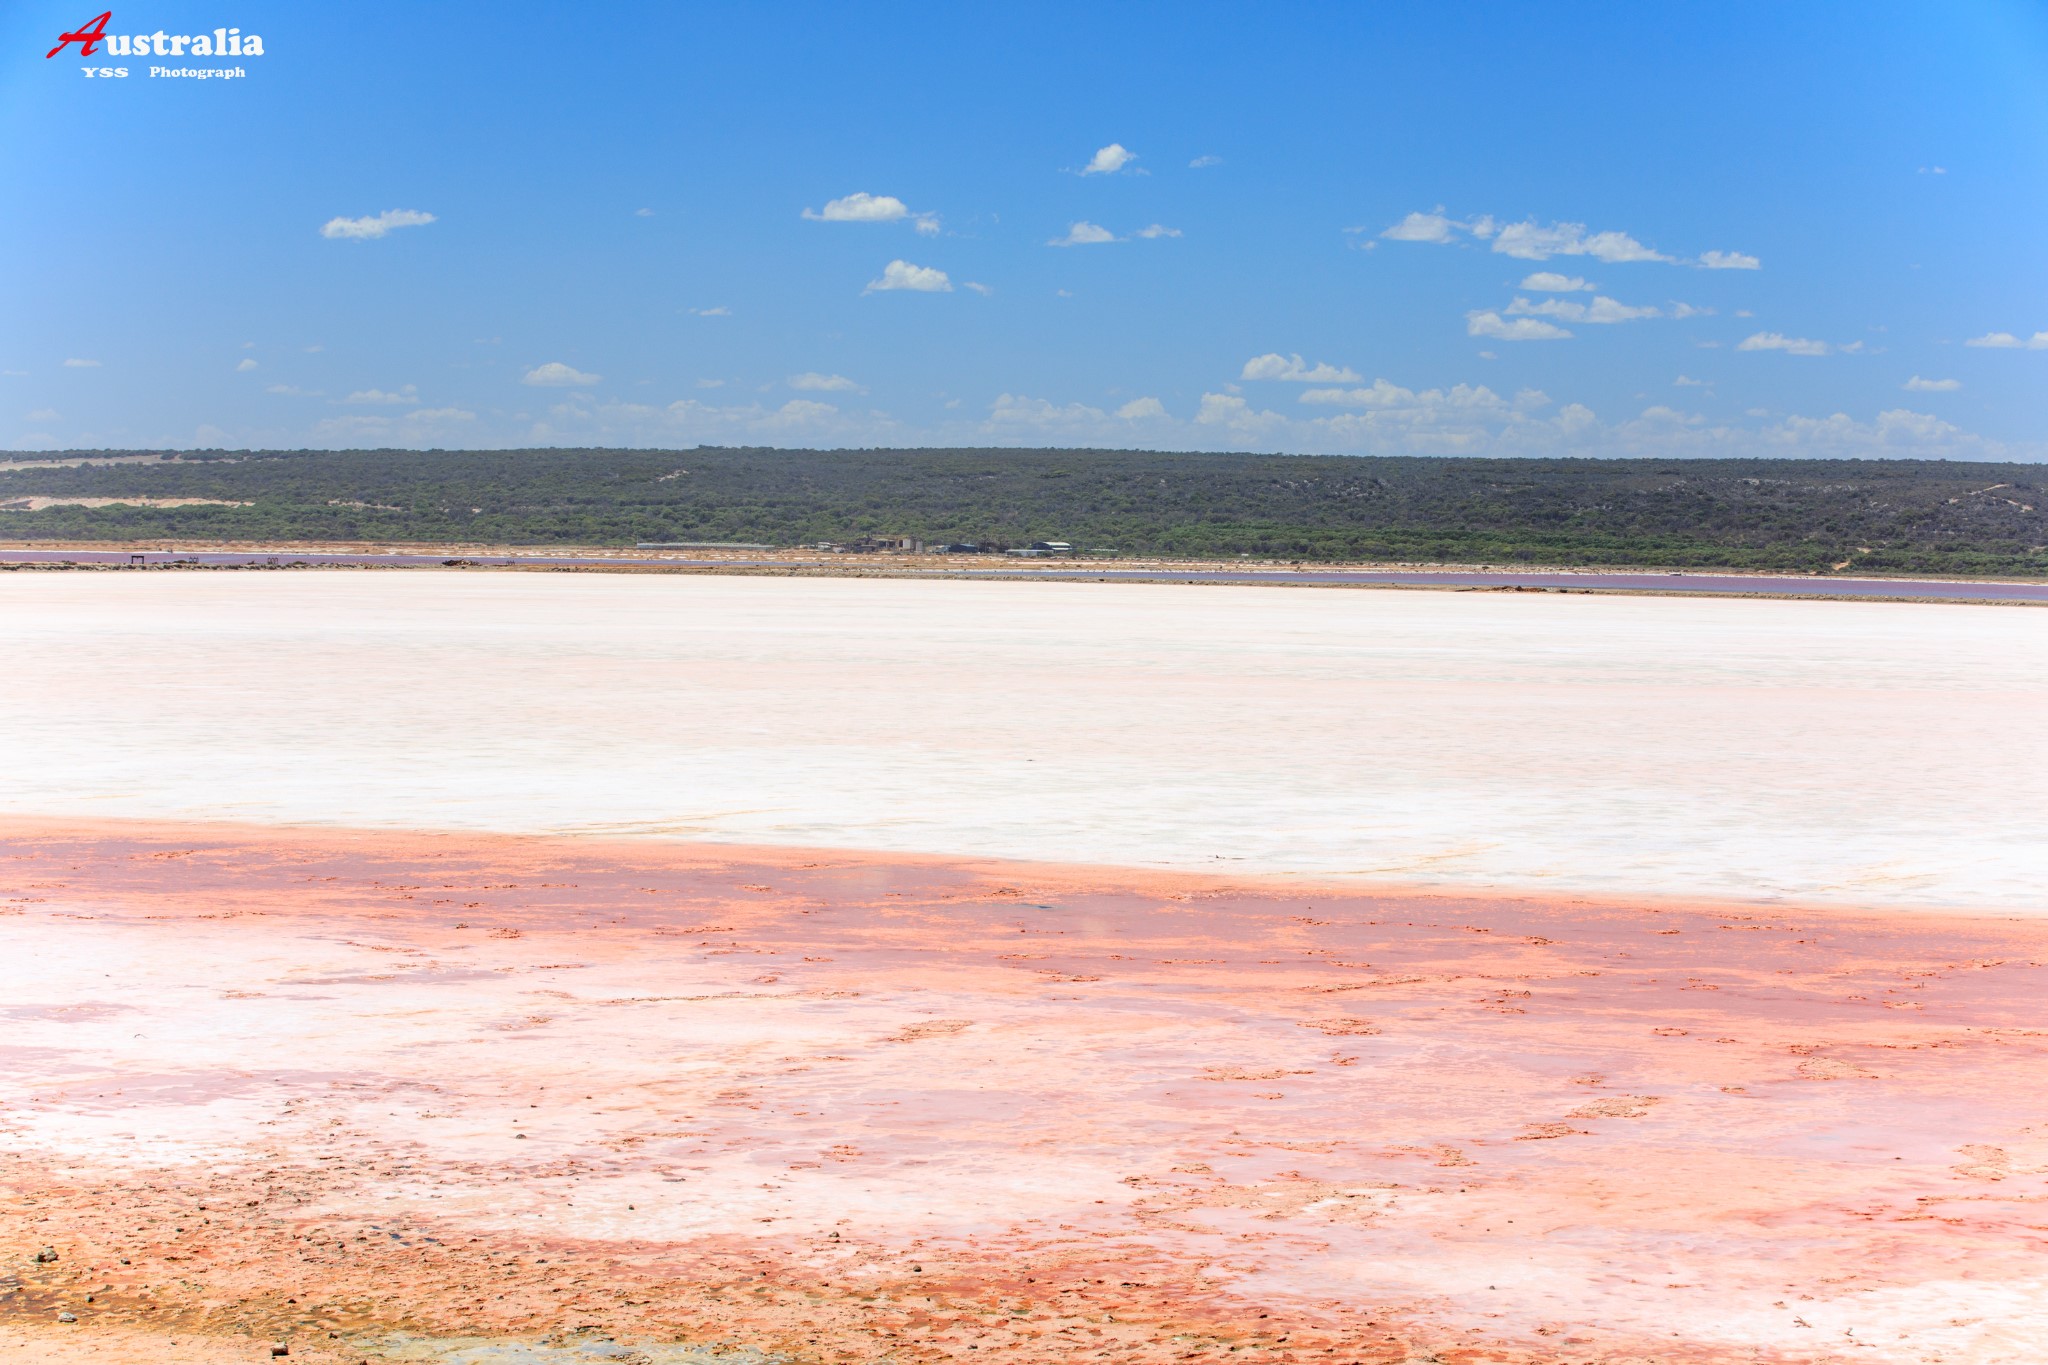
[(1424, 227), (556, 375), (1484, 324), (1223, 408), (643, 213), (1996, 340), (1686, 310), (1294, 370), (922, 279), (719, 312), (1084, 233), (861, 207), (1389, 397), (1685, 382), (43, 415), (634, 410), (1550, 282), (1235, 415), (1918, 385), (352, 426), (1531, 241), (1601, 310), (1462, 420), (245, 366), (441, 415), (1729, 260), (801, 411), (1109, 160), (75, 364), (1778, 341), (688, 417), (374, 396), (1615, 247), (1475, 422), (1139, 409), (293, 390), (1155, 231), (1201, 161), (823, 383), (1010, 408), (978, 287), (927, 225), (1896, 431), (363, 229)]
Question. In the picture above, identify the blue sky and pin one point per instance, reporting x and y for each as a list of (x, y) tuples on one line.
[(1492, 229)]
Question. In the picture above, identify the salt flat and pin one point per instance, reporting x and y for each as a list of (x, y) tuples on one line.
[(544, 968), (1820, 752)]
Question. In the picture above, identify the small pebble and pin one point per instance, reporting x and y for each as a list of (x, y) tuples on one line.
[(67, 1317)]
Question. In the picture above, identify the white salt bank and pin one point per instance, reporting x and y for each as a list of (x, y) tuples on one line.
[(1855, 753)]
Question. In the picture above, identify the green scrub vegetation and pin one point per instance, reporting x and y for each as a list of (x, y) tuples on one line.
[(1850, 516)]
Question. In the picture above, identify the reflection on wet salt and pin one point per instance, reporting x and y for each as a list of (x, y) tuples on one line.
[(1857, 753)]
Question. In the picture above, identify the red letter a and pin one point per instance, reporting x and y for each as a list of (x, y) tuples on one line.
[(89, 35)]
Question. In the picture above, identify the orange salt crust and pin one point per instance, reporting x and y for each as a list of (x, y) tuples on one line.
[(366, 1092)]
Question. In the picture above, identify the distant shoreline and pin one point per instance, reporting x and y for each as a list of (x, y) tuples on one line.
[(112, 556)]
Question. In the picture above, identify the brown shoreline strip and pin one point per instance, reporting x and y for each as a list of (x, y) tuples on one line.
[(1691, 583)]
